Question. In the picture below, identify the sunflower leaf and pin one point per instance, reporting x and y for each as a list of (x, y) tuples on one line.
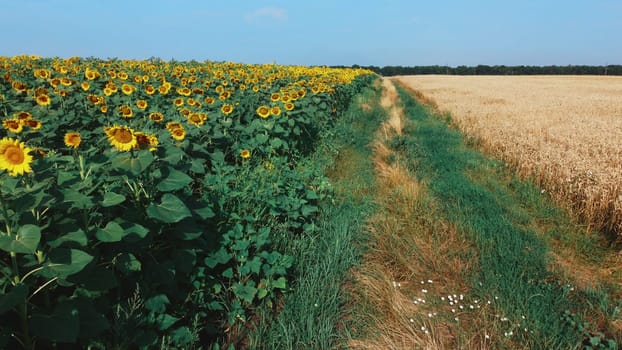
[(25, 241), (170, 210)]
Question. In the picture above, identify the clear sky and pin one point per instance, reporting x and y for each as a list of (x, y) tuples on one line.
[(320, 32)]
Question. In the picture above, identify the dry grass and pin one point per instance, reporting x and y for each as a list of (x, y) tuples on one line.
[(401, 285), (564, 131)]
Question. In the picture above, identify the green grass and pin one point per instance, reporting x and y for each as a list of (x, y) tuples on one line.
[(312, 315), (508, 221)]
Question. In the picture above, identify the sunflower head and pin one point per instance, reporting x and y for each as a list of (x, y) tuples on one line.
[(32, 124), (43, 100), (141, 104), (121, 137), (178, 133), (289, 106), (245, 154), (263, 111), (226, 109), (13, 125), (126, 111), (276, 110), (127, 89), (156, 117), (14, 157), (72, 139), (85, 85)]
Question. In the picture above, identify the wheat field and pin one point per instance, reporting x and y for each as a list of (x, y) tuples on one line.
[(565, 132)]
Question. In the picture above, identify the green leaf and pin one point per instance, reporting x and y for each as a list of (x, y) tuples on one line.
[(77, 199), (157, 303), (165, 321), (276, 142), (174, 180), (133, 162), (261, 138), (245, 292), (280, 283), (14, 297), (133, 231), (308, 210), (113, 232), (25, 241), (62, 262), (112, 199), (127, 263), (170, 210), (78, 237), (63, 325), (261, 293), (181, 336)]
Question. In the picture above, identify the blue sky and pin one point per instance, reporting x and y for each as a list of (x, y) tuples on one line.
[(320, 32)]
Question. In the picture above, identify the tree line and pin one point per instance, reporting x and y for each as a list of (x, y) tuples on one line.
[(496, 70)]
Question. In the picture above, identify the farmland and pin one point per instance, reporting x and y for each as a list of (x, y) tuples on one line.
[(562, 131), (218, 205), (149, 203)]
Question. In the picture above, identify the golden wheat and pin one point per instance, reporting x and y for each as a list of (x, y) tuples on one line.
[(563, 131)]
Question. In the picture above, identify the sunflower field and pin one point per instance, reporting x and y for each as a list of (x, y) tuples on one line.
[(143, 202)]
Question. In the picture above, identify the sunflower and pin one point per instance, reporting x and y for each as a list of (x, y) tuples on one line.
[(190, 101), (178, 102), (127, 89), (146, 141), (85, 85), (242, 87), (126, 111), (184, 91), (263, 111), (276, 110), (156, 117), (64, 81), (108, 91), (103, 109), (245, 153), (54, 82), (18, 86), (14, 157), (285, 98), (42, 73), (13, 125), (173, 125), (226, 109), (225, 95), (196, 119), (90, 74), (121, 137), (72, 139), (185, 112), (122, 75), (255, 88), (209, 100), (43, 100), (289, 106), (150, 90), (32, 123), (178, 134), (163, 90), (219, 89), (275, 97), (23, 115), (142, 104)]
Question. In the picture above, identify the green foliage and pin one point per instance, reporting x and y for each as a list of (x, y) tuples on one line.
[(166, 247)]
